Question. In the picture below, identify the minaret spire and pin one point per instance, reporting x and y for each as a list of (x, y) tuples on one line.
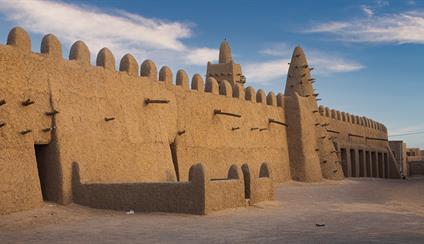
[(299, 76), (225, 53), (226, 69)]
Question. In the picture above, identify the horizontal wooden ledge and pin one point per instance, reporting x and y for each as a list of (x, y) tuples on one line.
[(277, 122), (376, 139), (148, 101), (353, 135), (219, 111)]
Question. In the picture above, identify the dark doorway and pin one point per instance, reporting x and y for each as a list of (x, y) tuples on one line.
[(380, 165), (41, 155), (374, 164), (386, 166), (353, 163), (361, 164), (246, 178), (368, 164), (173, 148), (345, 168), (49, 171)]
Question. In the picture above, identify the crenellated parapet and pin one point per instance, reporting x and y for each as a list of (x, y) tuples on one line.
[(122, 121), (129, 65), (361, 144), (351, 119), (80, 53)]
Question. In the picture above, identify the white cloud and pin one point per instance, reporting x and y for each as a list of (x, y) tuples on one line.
[(326, 64), (367, 10), (277, 49), (200, 56), (412, 135), (398, 28), (382, 3), (329, 27), (118, 30), (407, 130), (160, 40), (268, 71), (72, 22)]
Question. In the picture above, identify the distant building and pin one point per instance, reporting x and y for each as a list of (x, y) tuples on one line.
[(415, 159), (400, 153)]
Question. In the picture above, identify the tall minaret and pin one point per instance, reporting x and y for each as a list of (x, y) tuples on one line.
[(299, 76), (225, 56), (226, 69), (312, 151)]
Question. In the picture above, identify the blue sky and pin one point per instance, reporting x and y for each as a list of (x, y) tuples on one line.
[(368, 55)]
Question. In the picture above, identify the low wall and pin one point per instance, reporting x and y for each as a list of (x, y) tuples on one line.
[(262, 185), (416, 168), (200, 195), (258, 183), (415, 158), (225, 193), (179, 197)]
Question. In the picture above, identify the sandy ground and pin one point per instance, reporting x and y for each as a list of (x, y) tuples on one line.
[(353, 211)]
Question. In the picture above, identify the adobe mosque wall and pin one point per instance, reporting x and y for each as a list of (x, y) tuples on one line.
[(137, 129), (361, 144)]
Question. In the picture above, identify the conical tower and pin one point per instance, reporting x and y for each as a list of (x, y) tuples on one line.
[(299, 78), (310, 131), (225, 55)]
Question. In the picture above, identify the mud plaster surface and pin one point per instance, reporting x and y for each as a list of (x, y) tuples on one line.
[(116, 138), (354, 211)]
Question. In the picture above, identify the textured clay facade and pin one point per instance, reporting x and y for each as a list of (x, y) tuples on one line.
[(410, 160), (400, 153), (134, 138), (415, 159)]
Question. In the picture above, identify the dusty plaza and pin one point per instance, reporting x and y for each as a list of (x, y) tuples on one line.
[(98, 147), (353, 211)]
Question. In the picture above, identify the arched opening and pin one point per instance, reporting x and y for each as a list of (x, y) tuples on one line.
[(246, 178), (233, 172), (380, 165), (361, 163), (368, 164), (374, 172), (353, 163), (264, 171), (386, 166)]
